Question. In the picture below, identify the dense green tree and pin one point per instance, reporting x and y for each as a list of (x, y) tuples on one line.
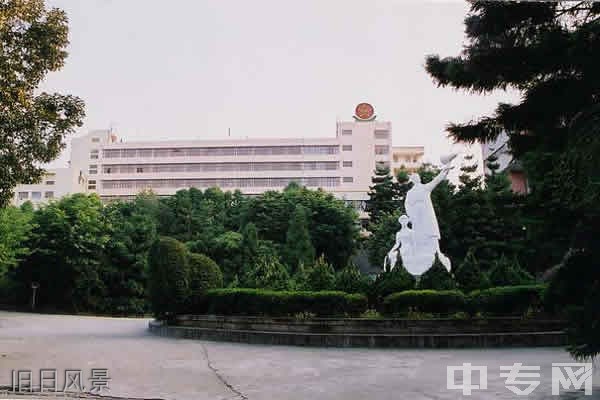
[(169, 276), (508, 272), (320, 276), (383, 194), (33, 124), (204, 274), (298, 247), (67, 245), (268, 273), (132, 230), (388, 282), (469, 276), (437, 277), (351, 280), (382, 238), (15, 227)]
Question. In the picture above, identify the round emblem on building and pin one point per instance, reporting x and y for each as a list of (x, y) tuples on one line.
[(364, 112)]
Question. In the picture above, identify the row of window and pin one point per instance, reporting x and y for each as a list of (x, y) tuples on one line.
[(211, 167), (216, 151), (34, 195), (379, 133), (222, 182)]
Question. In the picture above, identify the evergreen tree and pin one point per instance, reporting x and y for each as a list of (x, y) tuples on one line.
[(298, 247), (437, 277), (383, 194), (321, 276), (388, 282), (268, 273), (351, 280), (468, 275), (507, 272)]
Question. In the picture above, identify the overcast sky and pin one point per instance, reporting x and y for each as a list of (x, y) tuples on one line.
[(187, 69)]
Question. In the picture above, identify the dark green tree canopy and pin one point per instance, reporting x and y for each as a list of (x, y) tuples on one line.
[(32, 126)]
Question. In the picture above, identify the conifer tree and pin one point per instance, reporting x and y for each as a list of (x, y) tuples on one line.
[(298, 247), (383, 194)]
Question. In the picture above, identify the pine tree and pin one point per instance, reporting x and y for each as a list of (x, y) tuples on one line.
[(298, 247), (383, 194), (321, 276), (468, 275), (437, 277)]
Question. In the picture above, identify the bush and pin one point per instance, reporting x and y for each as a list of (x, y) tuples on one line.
[(507, 272), (386, 283), (437, 277), (204, 273), (169, 273), (320, 277), (268, 273), (280, 303), (351, 280), (469, 276), (508, 300), (424, 301)]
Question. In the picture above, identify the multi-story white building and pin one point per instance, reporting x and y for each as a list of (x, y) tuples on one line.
[(409, 158), (57, 182), (342, 164)]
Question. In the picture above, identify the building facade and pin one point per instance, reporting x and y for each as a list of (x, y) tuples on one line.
[(342, 164), (500, 149)]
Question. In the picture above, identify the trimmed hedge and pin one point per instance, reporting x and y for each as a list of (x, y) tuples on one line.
[(427, 301), (278, 303), (507, 300)]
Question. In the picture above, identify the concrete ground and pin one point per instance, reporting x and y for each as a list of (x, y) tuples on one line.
[(144, 366)]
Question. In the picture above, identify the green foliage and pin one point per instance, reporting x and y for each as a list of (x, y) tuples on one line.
[(351, 280), (33, 124), (319, 277), (508, 300), (67, 242), (505, 272), (437, 277), (280, 303), (383, 194), (204, 273), (169, 276), (424, 301), (15, 227), (469, 276), (132, 230), (268, 273), (333, 226), (388, 282), (383, 237), (298, 247)]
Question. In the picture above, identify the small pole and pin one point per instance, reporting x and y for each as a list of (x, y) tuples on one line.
[(34, 287)]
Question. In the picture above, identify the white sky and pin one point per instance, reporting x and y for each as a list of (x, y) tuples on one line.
[(190, 69)]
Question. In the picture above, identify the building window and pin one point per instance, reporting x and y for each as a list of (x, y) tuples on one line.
[(348, 179), (347, 132), (36, 195), (94, 154), (347, 163), (382, 149), (92, 184), (95, 139), (23, 195), (139, 170), (347, 147), (382, 134), (93, 169), (49, 182), (49, 195)]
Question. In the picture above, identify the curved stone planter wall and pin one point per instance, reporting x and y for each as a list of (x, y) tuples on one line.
[(332, 332)]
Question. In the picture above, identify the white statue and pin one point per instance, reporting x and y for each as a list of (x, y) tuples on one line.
[(419, 245)]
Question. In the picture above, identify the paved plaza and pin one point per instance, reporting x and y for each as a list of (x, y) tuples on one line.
[(144, 366)]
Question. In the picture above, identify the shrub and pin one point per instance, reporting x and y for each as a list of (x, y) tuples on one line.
[(424, 301), (268, 273), (320, 277), (386, 283), (169, 285), (437, 277), (507, 272), (468, 275), (507, 300), (280, 303), (204, 273), (351, 280)]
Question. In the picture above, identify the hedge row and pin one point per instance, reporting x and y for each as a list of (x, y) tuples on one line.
[(278, 303), (508, 300)]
